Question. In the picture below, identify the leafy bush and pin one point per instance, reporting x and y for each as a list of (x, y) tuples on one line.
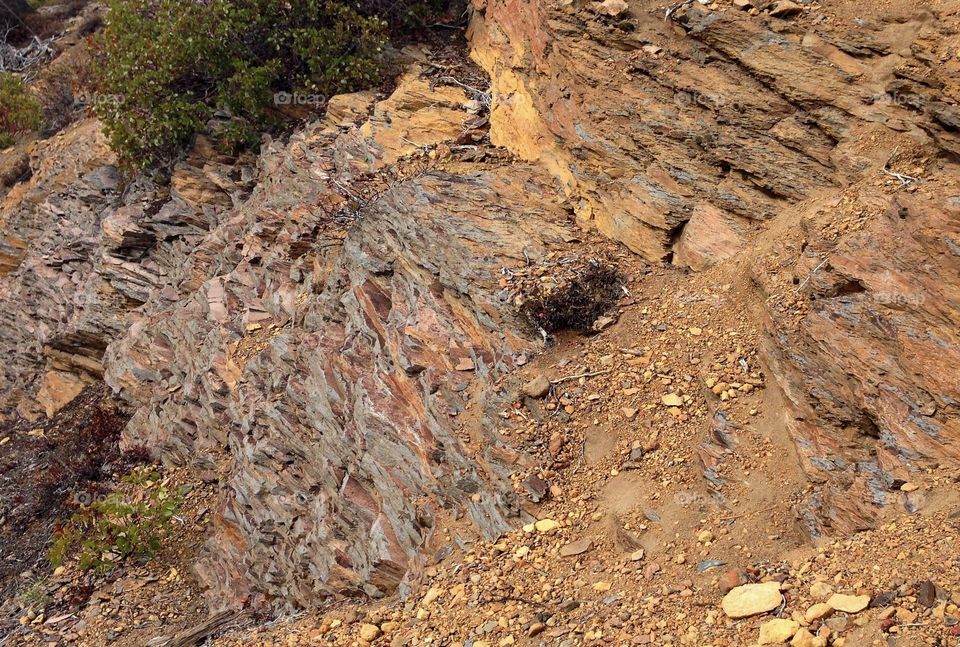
[(19, 110), (165, 68), (121, 525)]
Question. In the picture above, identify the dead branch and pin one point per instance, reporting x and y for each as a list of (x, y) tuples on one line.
[(807, 280), (197, 633), (22, 60), (905, 180), (675, 8), (577, 377)]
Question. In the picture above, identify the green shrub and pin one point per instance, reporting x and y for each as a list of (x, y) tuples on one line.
[(19, 110), (131, 522), (35, 595), (164, 68)]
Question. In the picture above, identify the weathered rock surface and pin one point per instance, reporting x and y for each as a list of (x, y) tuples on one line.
[(750, 599), (76, 256), (322, 359), (329, 342), (687, 138)]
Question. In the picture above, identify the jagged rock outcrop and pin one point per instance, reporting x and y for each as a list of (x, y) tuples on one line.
[(332, 356), (868, 365), (323, 330), (79, 250), (685, 138)]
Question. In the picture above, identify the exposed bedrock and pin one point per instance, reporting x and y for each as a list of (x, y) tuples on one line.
[(321, 329), (334, 359), (686, 138)]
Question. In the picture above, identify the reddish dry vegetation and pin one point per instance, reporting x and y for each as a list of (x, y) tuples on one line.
[(47, 469)]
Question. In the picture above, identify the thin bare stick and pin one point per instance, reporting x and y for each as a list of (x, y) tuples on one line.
[(577, 377), (807, 280), (675, 8), (905, 180)]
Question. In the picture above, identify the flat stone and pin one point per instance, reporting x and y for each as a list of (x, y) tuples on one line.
[(803, 638), (820, 590), (546, 525), (612, 7), (777, 631), (603, 323), (849, 603), (927, 593), (672, 400), (785, 8), (578, 547), (751, 599), (818, 611)]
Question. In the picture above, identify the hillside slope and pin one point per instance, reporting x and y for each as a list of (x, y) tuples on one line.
[(340, 343)]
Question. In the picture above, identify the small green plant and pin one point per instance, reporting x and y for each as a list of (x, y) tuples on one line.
[(133, 521), (19, 110), (35, 596)]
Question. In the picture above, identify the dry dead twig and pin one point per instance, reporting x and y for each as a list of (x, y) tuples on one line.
[(905, 180), (577, 377)]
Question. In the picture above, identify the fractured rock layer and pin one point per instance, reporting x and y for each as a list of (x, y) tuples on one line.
[(685, 138), (322, 359)]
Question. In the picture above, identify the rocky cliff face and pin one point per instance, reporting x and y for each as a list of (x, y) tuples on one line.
[(332, 353), (686, 137), (324, 329)]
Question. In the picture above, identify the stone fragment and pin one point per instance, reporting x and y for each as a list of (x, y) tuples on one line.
[(369, 633), (818, 611), (431, 596), (672, 400), (731, 580), (820, 590), (785, 9), (803, 638), (927, 593), (751, 599), (777, 631), (603, 323), (538, 387), (612, 8), (849, 603), (546, 526), (575, 548)]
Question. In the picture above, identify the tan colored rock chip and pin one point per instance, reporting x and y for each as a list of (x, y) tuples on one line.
[(803, 638), (777, 631), (672, 400), (751, 599), (612, 7), (369, 633), (820, 590), (849, 603), (546, 525), (818, 611)]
